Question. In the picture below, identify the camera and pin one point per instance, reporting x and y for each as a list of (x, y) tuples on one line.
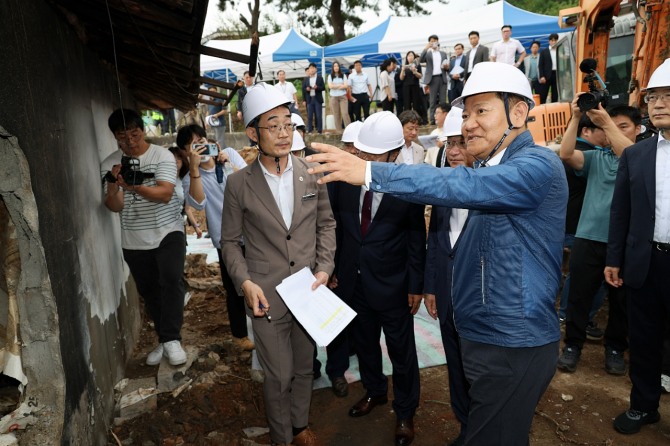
[(210, 149), (130, 172), (589, 101)]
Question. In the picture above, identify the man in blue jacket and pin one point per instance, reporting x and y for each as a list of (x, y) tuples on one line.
[(507, 272)]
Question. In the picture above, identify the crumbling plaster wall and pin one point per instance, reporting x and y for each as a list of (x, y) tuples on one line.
[(55, 97)]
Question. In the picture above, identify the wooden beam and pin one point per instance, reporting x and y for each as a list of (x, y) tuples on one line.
[(222, 54), (218, 83), (214, 94)]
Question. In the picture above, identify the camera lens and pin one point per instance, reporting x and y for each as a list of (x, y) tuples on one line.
[(589, 101)]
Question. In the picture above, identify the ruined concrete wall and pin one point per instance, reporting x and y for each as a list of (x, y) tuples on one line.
[(55, 97)]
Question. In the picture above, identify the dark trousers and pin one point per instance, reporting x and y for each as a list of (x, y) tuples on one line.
[(458, 385), (362, 102), (505, 386), (648, 310), (338, 355), (438, 94), (234, 303), (388, 105), (455, 91), (314, 112), (413, 99), (554, 87), (159, 276), (541, 89), (398, 326), (587, 263)]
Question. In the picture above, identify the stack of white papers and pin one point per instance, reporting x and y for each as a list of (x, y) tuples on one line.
[(320, 311)]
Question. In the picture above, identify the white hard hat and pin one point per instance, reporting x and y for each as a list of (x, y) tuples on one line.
[(261, 98), (212, 121), (298, 142), (496, 77), (660, 77), (351, 131), (297, 120), (380, 133), (452, 123)]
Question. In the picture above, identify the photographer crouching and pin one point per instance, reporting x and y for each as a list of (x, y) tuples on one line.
[(141, 186)]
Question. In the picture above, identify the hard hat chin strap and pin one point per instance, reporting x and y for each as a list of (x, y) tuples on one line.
[(260, 149), (510, 127)]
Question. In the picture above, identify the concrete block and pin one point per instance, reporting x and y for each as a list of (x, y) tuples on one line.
[(171, 377)]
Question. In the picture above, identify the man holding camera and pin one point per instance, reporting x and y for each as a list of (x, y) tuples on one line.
[(436, 76), (619, 129), (152, 230)]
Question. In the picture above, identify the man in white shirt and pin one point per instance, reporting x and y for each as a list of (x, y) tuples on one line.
[(288, 90), (505, 50), (361, 91)]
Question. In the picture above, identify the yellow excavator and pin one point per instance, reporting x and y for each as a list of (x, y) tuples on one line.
[(626, 39)]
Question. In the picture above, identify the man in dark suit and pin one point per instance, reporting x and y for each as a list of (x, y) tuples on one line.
[(457, 60), (436, 76), (285, 220), (313, 88), (242, 92), (381, 246), (638, 253), (446, 226), (478, 53), (545, 74)]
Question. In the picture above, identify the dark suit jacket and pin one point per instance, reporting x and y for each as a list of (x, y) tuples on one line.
[(440, 260), (482, 55), (390, 257), (320, 88), (544, 64), (241, 93), (273, 251), (632, 213)]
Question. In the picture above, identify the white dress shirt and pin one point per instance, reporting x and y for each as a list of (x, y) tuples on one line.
[(437, 62), (456, 223), (471, 59), (505, 52), (281, 187), (662, 221), (407, 153)]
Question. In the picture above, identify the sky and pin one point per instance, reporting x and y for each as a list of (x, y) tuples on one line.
[(215, 18)]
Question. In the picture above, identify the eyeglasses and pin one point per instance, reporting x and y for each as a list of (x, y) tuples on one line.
[(275, 129), (653, 97), (452, 144)]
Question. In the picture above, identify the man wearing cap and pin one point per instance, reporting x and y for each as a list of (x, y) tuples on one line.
[(381, 251), (446, 226), (508, 267), (638, 253), (285, 220)]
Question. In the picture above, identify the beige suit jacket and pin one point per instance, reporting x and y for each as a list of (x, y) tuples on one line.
[(273, 251)]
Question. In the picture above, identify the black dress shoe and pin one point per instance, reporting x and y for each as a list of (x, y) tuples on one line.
[(365, 405), (404, 432), (340, 387)]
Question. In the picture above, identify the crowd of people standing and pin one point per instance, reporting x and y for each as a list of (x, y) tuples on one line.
[(491, 272)]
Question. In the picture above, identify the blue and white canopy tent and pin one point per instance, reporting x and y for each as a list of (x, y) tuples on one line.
[(287, 50), (401, 34)]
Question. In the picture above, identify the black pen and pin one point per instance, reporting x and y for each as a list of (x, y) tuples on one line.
[(262, 307)]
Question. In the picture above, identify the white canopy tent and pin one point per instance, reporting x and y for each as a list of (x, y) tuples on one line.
[(286, 50)]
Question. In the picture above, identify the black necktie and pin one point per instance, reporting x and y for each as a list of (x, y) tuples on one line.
[(366, 212)]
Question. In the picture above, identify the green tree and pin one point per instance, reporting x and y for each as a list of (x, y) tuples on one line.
[(317, 14), (542, 6)]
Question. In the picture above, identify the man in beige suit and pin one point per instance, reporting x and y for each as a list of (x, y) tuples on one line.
[(411, 152), (285, 220)]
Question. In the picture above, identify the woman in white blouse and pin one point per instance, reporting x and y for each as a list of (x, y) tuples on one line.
[(337, 83)]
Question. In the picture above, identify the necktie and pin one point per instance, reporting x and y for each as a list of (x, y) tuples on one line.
[(366, 212)]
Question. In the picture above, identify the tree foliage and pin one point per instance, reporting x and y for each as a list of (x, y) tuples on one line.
[(317, 15), (542, 6)]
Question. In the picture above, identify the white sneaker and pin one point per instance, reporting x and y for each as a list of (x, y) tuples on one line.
[(154, 358), (665, 383), (173, 351)]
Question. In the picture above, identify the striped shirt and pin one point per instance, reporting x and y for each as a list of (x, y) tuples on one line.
[(144, 223)]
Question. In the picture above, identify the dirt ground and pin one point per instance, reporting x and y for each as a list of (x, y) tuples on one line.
[(577, 409)]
